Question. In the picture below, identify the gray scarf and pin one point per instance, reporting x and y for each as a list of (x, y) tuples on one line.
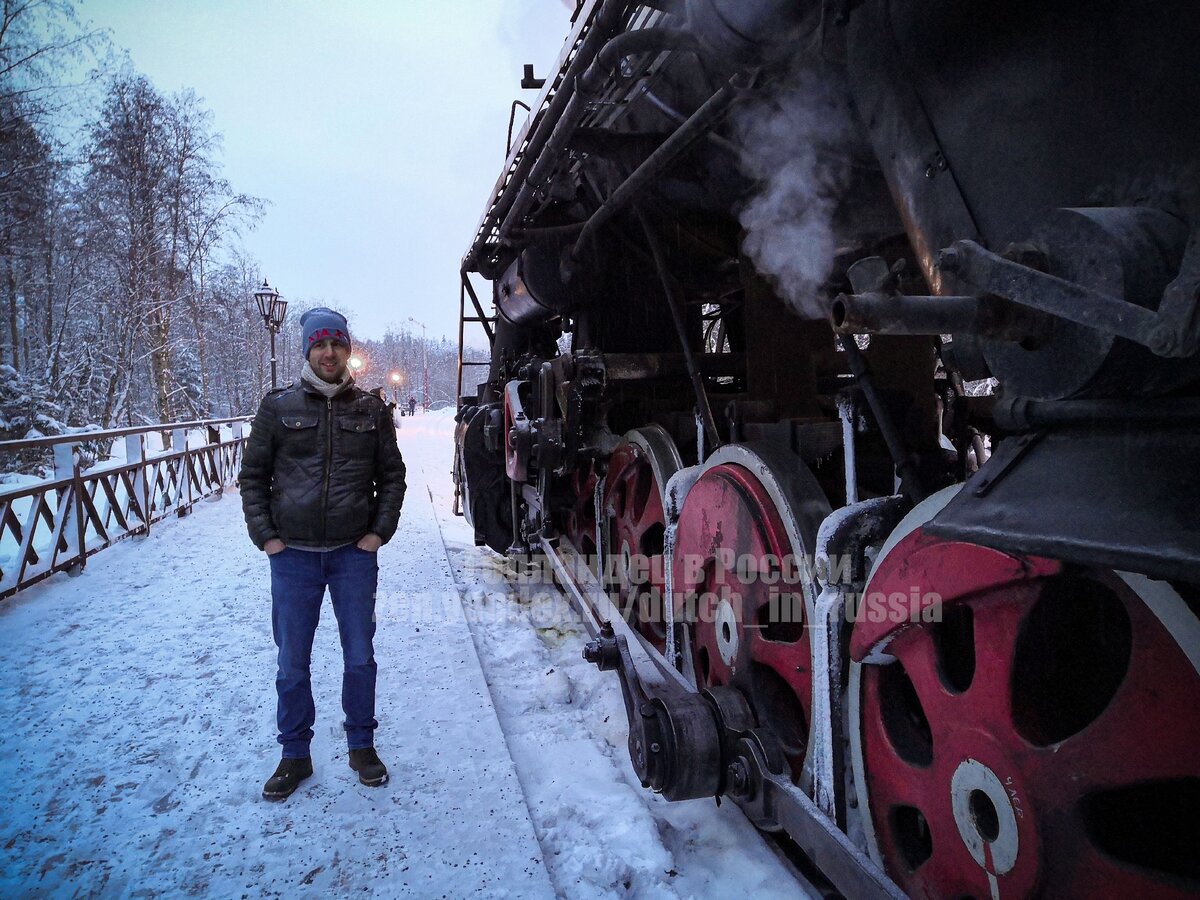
[(327, 389)]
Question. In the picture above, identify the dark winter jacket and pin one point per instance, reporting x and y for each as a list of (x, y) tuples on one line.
[(321, 472)]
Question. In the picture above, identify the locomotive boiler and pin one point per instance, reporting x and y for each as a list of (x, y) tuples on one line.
[(844, 370)]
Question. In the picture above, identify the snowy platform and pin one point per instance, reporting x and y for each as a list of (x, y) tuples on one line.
[(137, 728)]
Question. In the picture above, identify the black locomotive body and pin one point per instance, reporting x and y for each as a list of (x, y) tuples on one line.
[(851, 346)]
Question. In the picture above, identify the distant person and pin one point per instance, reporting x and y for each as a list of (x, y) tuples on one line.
[(322, 483), (412, 405), (381, 393)]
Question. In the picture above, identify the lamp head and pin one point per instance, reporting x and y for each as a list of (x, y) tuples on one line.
[(266, 296)]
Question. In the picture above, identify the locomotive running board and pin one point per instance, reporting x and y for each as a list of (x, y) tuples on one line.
[(1057, 494), (772, 797)]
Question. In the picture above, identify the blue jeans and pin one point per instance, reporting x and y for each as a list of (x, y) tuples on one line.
[(298, 582)]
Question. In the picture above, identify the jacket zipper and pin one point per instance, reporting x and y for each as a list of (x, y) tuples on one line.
[(328, 466)]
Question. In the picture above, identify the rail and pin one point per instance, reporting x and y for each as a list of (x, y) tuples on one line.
[(54, 525)]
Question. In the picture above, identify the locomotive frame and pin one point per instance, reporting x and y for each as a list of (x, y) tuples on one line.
[(894, 303)]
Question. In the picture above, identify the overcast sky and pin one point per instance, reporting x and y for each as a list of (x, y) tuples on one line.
[(375, 129)]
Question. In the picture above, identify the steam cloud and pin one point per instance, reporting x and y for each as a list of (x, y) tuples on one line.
[(792, 145)]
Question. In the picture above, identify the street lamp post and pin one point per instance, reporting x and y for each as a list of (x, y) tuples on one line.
[(273, 309), (424, 361)]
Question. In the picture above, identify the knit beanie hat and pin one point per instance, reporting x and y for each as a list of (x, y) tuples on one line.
[(320, 323)]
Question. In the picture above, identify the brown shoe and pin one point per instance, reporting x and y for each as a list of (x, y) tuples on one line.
[(371, 771), (287, 778)]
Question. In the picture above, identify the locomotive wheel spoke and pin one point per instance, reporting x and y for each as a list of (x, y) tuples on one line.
[(1040, 738), (995, 626), (635, 525), (1140, 708), (580, 525)]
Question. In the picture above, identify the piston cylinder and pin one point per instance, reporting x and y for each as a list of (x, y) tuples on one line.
[(1130, 253)]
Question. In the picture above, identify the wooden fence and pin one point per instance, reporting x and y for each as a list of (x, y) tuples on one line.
[(55, 525)]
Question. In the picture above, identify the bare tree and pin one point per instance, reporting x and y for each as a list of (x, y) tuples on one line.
[(119, 256), (153, 187)]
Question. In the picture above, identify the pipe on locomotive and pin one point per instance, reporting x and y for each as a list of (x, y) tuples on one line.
[(515, 191), (1020, 414), (745, 32), (532, 288), (742, 32), (586, 85), (675, 303), (884, 312), (681, 138)]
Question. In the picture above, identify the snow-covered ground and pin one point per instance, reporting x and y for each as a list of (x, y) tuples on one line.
[(137, 727), (602, 833)]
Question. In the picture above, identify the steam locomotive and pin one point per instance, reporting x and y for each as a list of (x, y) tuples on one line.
[(844, 368)]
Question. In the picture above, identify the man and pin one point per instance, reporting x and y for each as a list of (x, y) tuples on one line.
[(412, 405), (322, 483)]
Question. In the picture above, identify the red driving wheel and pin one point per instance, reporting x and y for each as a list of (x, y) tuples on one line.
[(635, 527), (580, 520), (1042, 737), (740, 581)]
